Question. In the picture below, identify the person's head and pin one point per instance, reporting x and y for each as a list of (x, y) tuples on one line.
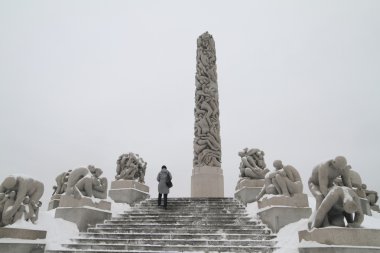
[(26, 200), (350, 206), (277, 164), (339, 162), (98, 172), (163, 167), (9, 182)]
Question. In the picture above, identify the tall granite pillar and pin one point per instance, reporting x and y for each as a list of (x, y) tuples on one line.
[(207, 177)]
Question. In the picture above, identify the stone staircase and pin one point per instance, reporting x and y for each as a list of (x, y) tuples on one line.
[(188, 224)]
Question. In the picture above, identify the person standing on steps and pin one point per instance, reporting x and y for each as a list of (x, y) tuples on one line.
[(162, 178)]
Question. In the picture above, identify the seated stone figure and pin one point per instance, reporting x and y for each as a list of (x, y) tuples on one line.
[(61, 181), (283, 181), (87, 182), (339, 204), (252, 164), (372, 196), (324, 175), (18, 193), (130, 167), (356, 181)]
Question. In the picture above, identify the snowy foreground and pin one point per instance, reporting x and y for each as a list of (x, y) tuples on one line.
[(60, 231)]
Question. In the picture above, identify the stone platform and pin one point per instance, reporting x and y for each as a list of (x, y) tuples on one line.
[(26, 240), (278, 211), (207, 182), (85, 212), (128, 191), (341, 240), (248, 189), (54, 201)]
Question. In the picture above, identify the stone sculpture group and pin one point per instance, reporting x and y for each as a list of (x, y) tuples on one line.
[(131, 167), (20, 198)]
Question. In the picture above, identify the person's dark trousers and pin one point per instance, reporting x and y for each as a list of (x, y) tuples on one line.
[(165, 199)]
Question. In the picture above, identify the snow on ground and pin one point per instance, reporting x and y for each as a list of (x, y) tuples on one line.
[(287, 237), (59, 231)]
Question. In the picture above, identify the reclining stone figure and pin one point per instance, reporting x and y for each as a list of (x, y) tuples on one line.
[(340, 203)]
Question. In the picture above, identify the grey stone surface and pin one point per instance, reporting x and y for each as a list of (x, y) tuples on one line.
[(252, 164), (340, 205), (276, 217), (20, 233), (130, 196), (338, 249), (247, 194), (84, 217), (22, 247), (207, 145), (70, 201), (207, 181), (342, 236), (131, 166), (54, 201), (19, 197), (297, 200), (126, 184), (247, 182), (365, 206)]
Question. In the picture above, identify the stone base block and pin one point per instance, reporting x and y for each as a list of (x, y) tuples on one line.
[(128, 184), (297, 200), (21, 247), (276, 217), (21, 233), (130, 196), (69, 201), (247, 182), (338, 249), (375, 208), (207, 182), (247, 194), (342, 236), (365, 206), (84, 217), (54, 201), (26, 242)]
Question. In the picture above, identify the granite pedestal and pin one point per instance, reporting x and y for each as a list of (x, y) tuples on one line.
[(128, 191), (341, 240), (85, 212), (28, 240), (277, 211), (54, 201), (207, 182), (248, 189)]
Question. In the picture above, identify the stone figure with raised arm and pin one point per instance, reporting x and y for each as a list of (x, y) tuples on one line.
[(61, 181), (252, 164), (324, 175), (339, 204), (18, 188)]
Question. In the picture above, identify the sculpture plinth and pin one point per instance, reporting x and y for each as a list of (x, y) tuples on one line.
[(208, 182), (84, 212), (25, 240), (341, 240), (247, 189), (128, 191), (207, 179)]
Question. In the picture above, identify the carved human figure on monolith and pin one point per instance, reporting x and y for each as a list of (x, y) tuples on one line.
[(252, 164), (339, 204), (19, 195), (130, 167), (324, 175)]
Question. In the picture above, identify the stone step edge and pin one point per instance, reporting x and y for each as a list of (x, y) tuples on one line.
[(170, 246), (159, 240), (180, 234)]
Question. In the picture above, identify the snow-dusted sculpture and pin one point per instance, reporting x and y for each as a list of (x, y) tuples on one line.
[(340, 203), (61, 181), (285, 180), (252, 164), (324, 175), (19, 197), (87, 182), (131, 167), (207, 145)]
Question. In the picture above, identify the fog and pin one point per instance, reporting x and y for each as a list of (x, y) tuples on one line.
[(82, 82)]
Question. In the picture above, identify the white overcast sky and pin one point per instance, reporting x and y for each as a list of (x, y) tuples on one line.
[(82, 82)]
